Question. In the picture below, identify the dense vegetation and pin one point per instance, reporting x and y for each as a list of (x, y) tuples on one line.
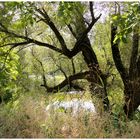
[(50, 48)]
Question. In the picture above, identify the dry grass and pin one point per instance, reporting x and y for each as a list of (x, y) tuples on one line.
[(26, 118)]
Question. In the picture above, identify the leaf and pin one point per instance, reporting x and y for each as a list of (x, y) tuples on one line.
[(117, 38), (124, 39), (115, 17)]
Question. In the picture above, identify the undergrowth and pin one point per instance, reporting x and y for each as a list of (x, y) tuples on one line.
[(26, 118)]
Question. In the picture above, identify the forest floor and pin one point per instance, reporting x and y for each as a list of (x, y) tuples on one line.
[(26, 117)]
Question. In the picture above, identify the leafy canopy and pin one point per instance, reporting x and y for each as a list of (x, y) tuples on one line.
[(127, 21)]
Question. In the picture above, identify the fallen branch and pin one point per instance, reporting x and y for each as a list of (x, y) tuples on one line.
[(81, 75)]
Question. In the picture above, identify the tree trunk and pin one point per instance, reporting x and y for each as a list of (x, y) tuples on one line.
[(132, 97), (96, 78), (132, 87), (131, 78)]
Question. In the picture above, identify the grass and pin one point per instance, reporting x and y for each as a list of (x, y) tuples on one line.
[(26, 118)]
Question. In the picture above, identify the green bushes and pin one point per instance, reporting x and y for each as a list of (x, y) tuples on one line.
[(8, 74)]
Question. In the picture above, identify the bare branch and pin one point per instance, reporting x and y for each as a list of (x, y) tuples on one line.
[(59, 67), (13, 45), (42, 67), (73, 33), (86, 21), (24, 47), (65, 51), (91, 10), (76, 48), (73, 66)]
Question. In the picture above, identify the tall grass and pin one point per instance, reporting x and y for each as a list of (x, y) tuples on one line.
[(26, 118)]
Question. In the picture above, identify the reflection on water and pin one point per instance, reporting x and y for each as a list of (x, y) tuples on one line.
[(74, 105)]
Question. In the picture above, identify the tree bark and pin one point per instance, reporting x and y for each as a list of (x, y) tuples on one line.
[(96, 76), (131, 78), (132, 97), (132, 90)]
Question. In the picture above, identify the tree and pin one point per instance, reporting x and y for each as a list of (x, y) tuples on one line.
[(72, 18), (123, 25), (63, 28)]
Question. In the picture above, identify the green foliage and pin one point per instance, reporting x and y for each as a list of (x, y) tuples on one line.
[(17, 15), (8, 73), (67, 11), (127, 21), (16, 74)]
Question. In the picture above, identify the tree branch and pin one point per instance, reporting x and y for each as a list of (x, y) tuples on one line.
[(77, 46), (67, 81), (46, 19), (73, 66), (65, 51), (116, 55), (73, 33), (71, 78), (42, 67), (29, 40), (91, 10), (59, 67), (14, 45)]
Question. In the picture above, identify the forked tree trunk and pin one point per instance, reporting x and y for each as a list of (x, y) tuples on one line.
[(79, 30), (95, 77), (131, 77), (132, 87)]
